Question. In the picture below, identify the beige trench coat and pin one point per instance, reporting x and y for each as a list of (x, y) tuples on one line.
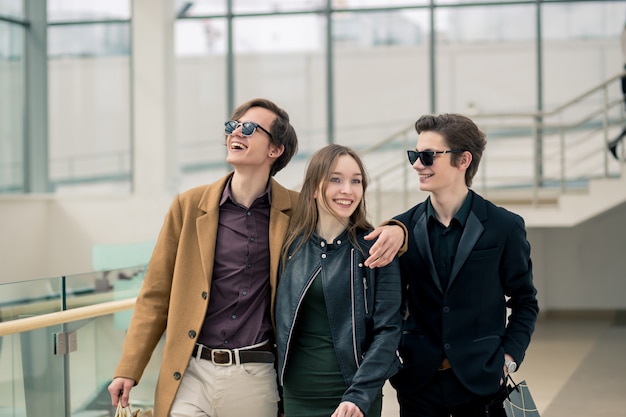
[(176, 289)]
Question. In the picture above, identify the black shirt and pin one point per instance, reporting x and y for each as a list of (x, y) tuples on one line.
[(444, 241)]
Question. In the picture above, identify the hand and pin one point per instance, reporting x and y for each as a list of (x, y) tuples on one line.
[(507, 358), (390, 240), (347, 409), (121, 386)]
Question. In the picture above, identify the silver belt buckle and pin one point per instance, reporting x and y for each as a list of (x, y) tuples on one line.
[(220, 351)]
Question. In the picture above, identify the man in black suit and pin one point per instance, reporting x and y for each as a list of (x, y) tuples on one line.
[(465, 258)]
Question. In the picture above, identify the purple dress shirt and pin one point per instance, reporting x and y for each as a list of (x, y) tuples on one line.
[(238, 314)]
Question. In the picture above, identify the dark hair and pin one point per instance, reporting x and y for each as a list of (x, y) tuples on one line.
[(319, 170), (283, 134), (459, 132)]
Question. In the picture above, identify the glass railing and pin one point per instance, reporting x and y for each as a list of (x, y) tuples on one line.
[(60, 340)]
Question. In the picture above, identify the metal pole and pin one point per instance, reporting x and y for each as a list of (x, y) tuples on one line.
[(431, 51), (330, 110), (539, 119)]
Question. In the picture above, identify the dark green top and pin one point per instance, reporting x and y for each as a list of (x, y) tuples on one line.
[(313, 381)]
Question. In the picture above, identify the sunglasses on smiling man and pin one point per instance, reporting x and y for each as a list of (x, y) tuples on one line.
[(428, 157), (247, 128)]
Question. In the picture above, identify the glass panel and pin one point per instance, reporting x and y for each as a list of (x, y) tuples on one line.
[(88, 40), (184, 8), (218, 7), (12, 377), (199, 37), (270, 62), (29, 298), (103, 286), (482, 69), (12, 8), (581, 52), (473, 1), (274, 34), (381, 75), (271, 6), (31, 371), (584, 21), (35, 378), (486, 24), (89, 108), (31, 374), (11, 108), (576, 34), (349, 4), (100, 339), (93, 364), (486, 63), (200, 110), (80, 10)]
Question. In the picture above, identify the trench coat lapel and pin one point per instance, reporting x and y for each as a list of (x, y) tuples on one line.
[(206, 224), (280, 215)]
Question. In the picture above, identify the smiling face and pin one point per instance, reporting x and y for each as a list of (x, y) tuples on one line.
[(339, 195), (255, 151), (441, 175)]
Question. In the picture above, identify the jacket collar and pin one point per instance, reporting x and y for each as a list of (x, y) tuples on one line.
[(471, 233)]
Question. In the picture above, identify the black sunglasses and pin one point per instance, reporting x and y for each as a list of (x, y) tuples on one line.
[(247, 128), (427, 157)]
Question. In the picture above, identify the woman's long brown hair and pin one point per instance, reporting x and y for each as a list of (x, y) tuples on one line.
[(304, 220)]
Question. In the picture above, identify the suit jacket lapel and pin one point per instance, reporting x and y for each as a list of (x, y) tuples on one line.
[(420, 232), (472, 231)]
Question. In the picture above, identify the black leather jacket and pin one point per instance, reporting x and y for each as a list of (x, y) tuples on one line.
[(363, 307)]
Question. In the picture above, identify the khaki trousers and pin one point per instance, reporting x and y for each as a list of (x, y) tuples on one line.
[(209, 390)]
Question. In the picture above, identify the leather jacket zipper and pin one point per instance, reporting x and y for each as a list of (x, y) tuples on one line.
[(354, 339), (293, 322), (365, 295)]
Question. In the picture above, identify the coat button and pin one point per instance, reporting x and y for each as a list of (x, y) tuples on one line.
[(205, 295), (192, 334), (177, 375)]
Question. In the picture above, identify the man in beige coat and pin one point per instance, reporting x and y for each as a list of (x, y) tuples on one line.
[(212, 280)]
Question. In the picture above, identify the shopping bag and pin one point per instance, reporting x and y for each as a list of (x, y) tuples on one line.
[(513, 400), (127, 412), (519, 402)]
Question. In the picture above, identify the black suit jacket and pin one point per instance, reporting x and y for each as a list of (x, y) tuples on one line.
[(467, 322)]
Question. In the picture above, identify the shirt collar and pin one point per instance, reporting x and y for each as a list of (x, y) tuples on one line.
[(460, 216), (227, 193)]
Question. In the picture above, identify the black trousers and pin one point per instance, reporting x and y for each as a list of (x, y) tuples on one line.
[(445, 396)]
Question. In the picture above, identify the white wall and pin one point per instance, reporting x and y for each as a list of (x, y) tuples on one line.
[(583, 267), (45, 236)]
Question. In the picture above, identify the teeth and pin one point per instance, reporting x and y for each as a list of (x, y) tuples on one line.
[(237, 145), (344, 202)]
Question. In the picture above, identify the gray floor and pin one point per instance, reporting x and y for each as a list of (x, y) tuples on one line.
[(575, 366)]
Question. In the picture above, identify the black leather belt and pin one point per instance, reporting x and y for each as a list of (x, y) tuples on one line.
[(227, 357)]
